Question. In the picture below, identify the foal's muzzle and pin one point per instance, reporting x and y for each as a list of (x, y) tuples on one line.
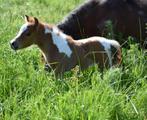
[(14, 45)]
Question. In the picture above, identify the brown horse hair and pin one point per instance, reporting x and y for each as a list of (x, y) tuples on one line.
[(128, 17)]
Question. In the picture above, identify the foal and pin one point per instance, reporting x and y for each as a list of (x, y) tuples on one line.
[(61, 52)]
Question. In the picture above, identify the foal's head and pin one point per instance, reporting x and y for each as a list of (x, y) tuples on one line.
[(27, 34)]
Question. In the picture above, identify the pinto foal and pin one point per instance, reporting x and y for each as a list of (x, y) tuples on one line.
[(61, 52)]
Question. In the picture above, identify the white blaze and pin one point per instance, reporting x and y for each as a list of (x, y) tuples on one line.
[(22, 29), (59, 39)]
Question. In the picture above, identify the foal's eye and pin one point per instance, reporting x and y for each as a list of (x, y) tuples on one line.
[(28, 34)]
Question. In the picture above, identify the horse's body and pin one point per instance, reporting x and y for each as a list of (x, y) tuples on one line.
[(128, 17), (62, 52)]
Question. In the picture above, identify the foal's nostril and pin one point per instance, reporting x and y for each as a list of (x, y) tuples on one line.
[(14, 45)]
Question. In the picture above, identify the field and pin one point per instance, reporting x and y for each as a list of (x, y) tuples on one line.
[(27, 92)]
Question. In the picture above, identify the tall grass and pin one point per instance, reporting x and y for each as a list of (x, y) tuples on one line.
[(27, 92)]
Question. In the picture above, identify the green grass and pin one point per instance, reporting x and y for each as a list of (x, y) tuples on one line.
[(27, 92)]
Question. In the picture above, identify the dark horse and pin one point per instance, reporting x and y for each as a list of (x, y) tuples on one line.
[(128, 18)]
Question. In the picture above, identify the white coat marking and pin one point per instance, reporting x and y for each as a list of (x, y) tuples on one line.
[(59, 39), (107, 46), (22, 29)]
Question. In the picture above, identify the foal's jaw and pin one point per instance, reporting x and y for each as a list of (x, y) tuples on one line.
[(16, 44)]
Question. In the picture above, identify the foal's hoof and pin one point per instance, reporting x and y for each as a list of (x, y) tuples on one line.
[(47, 68)]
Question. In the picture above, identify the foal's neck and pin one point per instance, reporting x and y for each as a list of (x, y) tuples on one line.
[(55, 41), (41, 39)]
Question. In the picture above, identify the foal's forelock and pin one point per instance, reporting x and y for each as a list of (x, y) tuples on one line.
[(60, 40)]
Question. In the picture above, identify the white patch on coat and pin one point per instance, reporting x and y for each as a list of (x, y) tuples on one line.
[(60, 40), (47, 30), (22, 29), (107, 46)]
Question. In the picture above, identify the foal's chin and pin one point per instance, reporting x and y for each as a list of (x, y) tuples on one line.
[(16, 48)]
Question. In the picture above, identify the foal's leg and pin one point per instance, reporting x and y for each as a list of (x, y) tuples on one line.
[(85, 63), (46, 65)]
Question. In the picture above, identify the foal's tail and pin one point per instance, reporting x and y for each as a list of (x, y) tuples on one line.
[(118, 57)]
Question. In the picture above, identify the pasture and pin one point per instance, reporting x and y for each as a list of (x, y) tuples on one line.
[(27, 92)]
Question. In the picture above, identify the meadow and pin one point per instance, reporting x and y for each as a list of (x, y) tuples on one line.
[(27, 92)]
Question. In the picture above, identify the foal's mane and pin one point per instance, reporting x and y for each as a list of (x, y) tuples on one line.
[(56, 30)]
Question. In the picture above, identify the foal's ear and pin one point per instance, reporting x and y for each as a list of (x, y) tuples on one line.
[(36, 21), (26, 17), (31, 19)]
